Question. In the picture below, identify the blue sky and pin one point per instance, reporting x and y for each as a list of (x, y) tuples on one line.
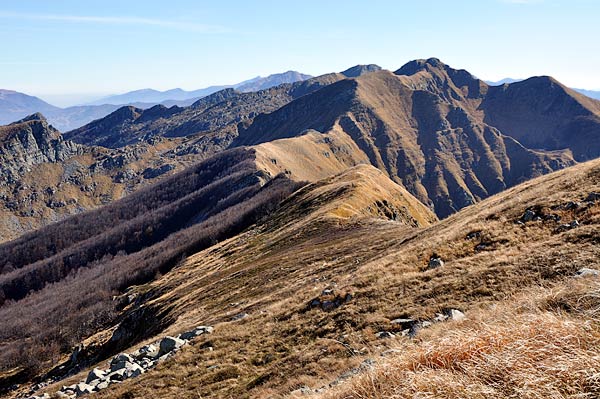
[(70, 47)]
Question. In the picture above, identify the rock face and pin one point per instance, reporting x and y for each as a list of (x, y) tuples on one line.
[(28, 142)]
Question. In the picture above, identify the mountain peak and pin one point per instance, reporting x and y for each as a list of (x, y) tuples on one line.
[(33, 117), (358, 70), (415, 66)]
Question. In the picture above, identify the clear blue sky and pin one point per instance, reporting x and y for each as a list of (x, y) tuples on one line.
[(111, 46)]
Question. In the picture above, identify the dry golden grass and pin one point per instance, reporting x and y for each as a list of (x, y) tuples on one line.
[(526, 348), (273, 270)]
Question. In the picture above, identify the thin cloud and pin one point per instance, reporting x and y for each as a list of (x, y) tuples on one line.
[(140, 21)]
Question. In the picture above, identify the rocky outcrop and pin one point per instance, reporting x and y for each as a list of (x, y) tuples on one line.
[(28, 142), (129, 365)]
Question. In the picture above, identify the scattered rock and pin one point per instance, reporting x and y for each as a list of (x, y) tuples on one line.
[(456, 314), (83, 389), (102, 385), (196, 332), (133, 370), (567, 226), (587, 272), (474, 234), (146, 351), (239, 316), (121, 361), (434, 263), (592, 197), (303, 390), (168, 344), (118, 375), (528, 216), (328, 300), (384, 335), (95, 374)]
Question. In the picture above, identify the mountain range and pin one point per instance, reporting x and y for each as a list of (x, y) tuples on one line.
[(297, 239), (15, 105)]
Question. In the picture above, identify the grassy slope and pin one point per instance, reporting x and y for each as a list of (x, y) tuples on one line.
[(272, 272)]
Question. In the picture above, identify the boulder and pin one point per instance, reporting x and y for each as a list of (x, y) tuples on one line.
[(103, 384), (168, 344), (121, 361), (568, 226), (434, 263), (239, 316), (95, 374), (196, 332), (456, 314), (117, 375), (133, 370), (593, 197), (150, 351), (83, 389), (384, 335), (587, 272), (528, 216), (147, 363)]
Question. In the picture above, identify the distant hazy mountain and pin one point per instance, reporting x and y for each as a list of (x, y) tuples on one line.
[(589, 93), (155, 96), (15, 105), (502, 81), (182, 97), (277, 79)]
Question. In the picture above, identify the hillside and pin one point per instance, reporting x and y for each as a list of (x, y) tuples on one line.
[(436, 130), (313, 290), (45, 178)]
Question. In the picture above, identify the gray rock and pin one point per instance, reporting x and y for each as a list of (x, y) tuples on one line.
[(528, 216), (168, 344), (65, 395), (384, 335), (196, 332), (117, 375), (439, 317), (121, 361), (568, 226), (103, 384), (593, 197), (587, 272), (434, 263), (239, 316), (95, 374), (146, 363), (133, 370), (456, 314), (83, 389), (150, 351)]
